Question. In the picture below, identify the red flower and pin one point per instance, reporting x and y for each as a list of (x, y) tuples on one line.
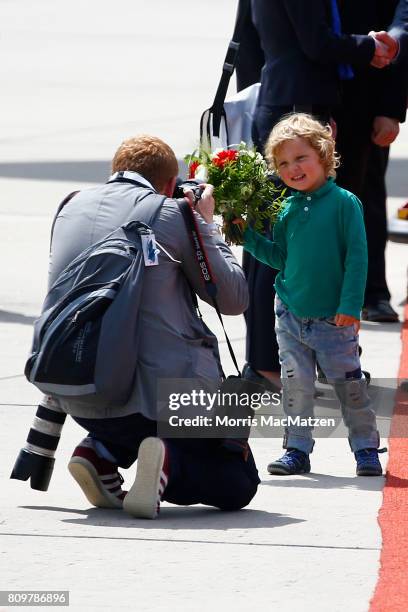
[(192, 169), (224, 157)]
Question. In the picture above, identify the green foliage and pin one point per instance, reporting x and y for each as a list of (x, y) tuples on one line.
[(243, 190)]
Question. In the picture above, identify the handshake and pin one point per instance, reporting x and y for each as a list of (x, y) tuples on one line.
[(386, 49)]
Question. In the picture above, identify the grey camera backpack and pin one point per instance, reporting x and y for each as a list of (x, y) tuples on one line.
[(85, 343)]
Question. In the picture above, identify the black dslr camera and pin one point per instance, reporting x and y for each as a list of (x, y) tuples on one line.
[(196, 186)]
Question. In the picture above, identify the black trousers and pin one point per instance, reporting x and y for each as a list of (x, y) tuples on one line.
[(202, 471), (374, 198), (362, 171)]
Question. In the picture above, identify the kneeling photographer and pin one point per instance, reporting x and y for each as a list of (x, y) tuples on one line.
[(173, 344)]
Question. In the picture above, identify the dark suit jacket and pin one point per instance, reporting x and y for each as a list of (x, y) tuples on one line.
[(251, 57), (399, 29), (374, 92), (302, 53)]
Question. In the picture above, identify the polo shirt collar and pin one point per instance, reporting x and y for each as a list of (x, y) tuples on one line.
[(322, 191)]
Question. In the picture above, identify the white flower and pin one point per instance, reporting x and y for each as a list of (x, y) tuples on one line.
[(216, 151), (201, 173)]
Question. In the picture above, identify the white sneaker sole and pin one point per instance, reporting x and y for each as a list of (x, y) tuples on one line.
[(141, 499), (87, 477)]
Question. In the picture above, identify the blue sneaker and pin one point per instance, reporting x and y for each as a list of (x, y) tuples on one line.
[(368, 463), (293, 461)]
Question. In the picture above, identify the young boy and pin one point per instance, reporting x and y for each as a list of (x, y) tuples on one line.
[(319, 246)]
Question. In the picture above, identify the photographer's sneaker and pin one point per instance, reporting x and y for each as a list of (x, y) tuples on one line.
[(98, 478), (368, 463), (144, 496), (292, 462)]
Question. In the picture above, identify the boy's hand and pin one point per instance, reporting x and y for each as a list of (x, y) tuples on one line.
[(342, 320)]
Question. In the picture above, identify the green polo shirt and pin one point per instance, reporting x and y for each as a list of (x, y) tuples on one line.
[(319, 247)]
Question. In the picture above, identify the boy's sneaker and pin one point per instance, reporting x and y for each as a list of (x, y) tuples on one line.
[(368, 463), (293, 461), (98, 478), (144, 496)]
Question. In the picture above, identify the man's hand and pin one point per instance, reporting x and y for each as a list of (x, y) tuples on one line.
[(205, 205), (385, 131), (342, 320), (386, 49)]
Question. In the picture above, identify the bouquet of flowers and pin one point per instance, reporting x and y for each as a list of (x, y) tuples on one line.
[(243, 190)]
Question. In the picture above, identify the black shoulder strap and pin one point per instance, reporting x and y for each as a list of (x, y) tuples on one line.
[(60, 207), (121, 177), (125, 179), (228, 68), (117, 179), (204, 265)]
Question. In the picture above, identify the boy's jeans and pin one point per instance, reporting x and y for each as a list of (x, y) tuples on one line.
[(302, 342)]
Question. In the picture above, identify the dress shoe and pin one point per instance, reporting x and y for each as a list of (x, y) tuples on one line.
[(248, 373), (381, 312)]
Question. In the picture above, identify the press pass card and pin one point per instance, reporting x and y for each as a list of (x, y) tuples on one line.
[(150, 250)]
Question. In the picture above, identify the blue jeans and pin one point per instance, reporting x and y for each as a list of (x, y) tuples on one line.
[(302, 342)]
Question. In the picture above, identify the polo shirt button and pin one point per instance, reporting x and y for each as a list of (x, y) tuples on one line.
[(306, 208), (308, 198)]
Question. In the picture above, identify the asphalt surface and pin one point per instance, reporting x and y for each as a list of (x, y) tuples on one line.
[(79, 79)]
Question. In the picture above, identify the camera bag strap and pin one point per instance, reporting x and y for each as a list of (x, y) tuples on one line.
[(204, 266), (217, 108), (120, 177)]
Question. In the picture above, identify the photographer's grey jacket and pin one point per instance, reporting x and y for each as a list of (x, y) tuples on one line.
[(174, 343)]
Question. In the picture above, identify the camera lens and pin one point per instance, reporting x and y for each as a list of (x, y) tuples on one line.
[(198, 192)]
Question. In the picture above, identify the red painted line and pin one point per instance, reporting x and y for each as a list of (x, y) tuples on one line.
[(391, 593)]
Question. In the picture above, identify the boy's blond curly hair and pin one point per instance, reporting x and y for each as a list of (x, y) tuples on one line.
[(302, 125), (150, 157)]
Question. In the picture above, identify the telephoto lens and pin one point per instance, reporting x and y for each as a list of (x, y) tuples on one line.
[(36, 460), (36, 467), (197, 193)]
